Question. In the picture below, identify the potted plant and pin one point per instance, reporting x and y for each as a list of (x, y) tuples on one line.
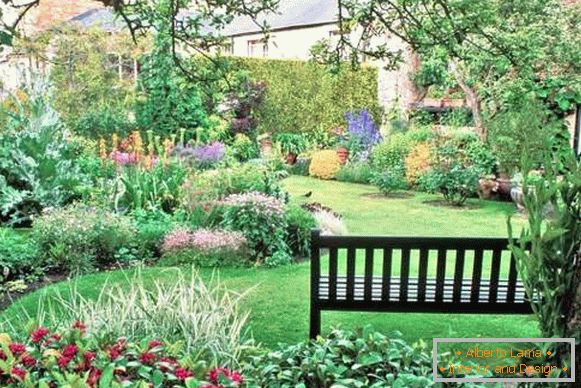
[(265, 144), (291, 145), (487, 186)]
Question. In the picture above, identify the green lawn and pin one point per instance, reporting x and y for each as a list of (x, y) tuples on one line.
[(279, 298)]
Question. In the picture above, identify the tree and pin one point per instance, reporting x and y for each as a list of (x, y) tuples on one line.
[(496, 50)]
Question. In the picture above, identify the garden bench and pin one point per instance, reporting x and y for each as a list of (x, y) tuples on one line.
[(450, 275)]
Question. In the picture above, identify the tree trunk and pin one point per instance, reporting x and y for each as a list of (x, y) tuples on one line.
[(472, 99)]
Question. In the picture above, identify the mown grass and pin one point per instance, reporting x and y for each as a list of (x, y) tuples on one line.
[(278, 299)]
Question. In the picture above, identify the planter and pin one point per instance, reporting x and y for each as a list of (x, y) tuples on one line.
[(504, 186), (343, 154), (266, 147), (487, 188), (291, 158), (518, 198)]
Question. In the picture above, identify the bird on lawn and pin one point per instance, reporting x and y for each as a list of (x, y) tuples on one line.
[(308, 195)]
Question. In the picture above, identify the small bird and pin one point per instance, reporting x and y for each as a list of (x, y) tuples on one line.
[(308, 195)]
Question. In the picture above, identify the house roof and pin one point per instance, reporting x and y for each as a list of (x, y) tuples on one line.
[(289, 14), (104, 18)]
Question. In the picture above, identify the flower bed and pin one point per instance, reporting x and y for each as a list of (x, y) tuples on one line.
[(72, 358)]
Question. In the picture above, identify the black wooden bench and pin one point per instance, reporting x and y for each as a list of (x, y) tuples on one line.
[(454, 275)]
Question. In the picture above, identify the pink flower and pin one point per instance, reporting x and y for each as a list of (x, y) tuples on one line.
[(63, 361), (147, 358), (28, 361), (233, 376), (80, 326), (19, 373), (17, 349), (89, 356), (154, 344), (183, 374), (70, 350), (38, 335)]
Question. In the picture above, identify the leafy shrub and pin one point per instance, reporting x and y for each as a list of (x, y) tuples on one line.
[(417, 162), (151, 229), (216, 184), (455, 182), (149, 189), (37, 160), (390, 180), (355, 172), (525, 127), (19, 259), (391, 153), (244, 148), (103, 121), (305, 93), (261, 219), (291, 143), (325, 164), (204, 317), (300, 222), (73, 358), (204, 247), (78, 238), (301, 167), (345, 359)]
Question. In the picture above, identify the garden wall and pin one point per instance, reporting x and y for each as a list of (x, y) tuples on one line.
[(304, 96)]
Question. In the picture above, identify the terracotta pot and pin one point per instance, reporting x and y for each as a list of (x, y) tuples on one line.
[(343, 154), (504, 186), (291, 158), (486, 188)]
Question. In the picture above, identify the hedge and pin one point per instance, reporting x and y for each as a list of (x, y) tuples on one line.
[(303, 96)]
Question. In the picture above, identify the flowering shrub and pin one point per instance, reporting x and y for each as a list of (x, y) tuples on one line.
[(204, 247), (262, 220), (73, 358), (325, 164), (417, 162), (203, 156), (79, 237), (363, 133)]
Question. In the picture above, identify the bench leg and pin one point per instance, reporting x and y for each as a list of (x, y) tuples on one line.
[(315, 328)]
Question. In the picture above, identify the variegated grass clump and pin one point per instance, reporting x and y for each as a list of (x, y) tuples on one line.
[(203, 317)]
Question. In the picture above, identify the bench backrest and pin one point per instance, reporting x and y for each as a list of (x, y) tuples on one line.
[(415, 274)]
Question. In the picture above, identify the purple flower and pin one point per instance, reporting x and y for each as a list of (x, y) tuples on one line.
[(205, 155), (363, 132)]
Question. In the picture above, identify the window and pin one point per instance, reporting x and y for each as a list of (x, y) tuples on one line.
[(257, 48), (127, 68)]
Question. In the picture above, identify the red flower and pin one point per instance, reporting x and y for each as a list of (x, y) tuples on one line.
[(236, 377), (89, 356), (28, 361), (94, 376), (18, 372), (116, 350), (63, 361), (183, 374), (233, 376), (70, 350), (147, 358), (80, 326), (38, 335), (155, 344), (17, 349), (2, 355)]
